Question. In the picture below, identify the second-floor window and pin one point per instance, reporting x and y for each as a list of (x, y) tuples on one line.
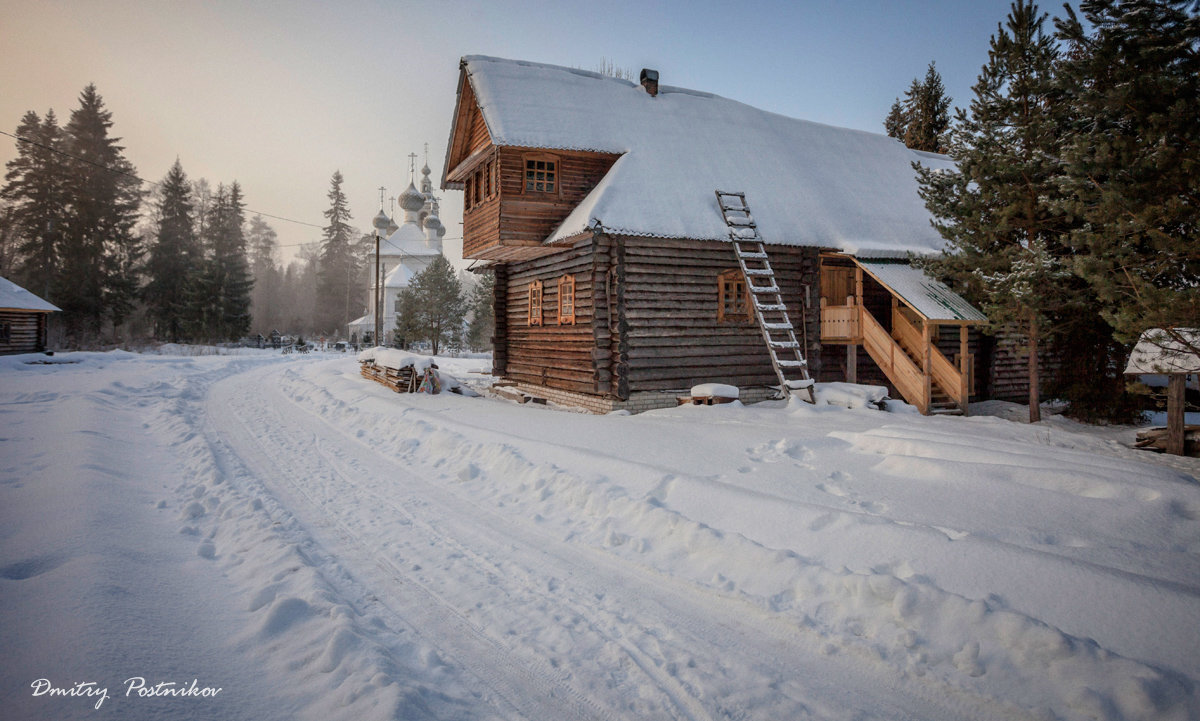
[(541, 175)]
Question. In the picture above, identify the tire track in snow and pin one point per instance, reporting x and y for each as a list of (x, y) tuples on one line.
[(277, 462), (677, 611)]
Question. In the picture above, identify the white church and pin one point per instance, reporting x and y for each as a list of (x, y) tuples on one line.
[(405, 249)]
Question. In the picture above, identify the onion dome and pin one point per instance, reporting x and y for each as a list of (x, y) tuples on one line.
[(432, 221), (381, 221), (392, 227), (411, 199)]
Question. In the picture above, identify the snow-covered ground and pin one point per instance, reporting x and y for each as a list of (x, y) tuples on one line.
[(318, 547)]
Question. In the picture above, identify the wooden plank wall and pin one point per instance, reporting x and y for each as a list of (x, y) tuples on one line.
[(513, 225), (552, 354), (26, 331), (1006, 375), (670, 300)]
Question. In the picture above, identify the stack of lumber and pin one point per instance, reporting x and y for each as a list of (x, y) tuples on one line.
[(401, 380), (1155, 439)]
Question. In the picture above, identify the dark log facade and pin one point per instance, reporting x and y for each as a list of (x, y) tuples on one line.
[(646, 317), (22, 331)]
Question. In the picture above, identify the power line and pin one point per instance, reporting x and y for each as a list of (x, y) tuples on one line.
[(117, 171)]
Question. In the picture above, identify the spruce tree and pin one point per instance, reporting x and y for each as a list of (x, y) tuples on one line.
[(928, 113), (100, 251), (923, 116), (483, 318), (896, 123), (174, 257), (34, 187), (336, 287), (432, 308), (1133, 160), (263, 245), (996, 211), (221, 297)]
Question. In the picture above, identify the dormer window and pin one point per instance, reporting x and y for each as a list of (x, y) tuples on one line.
[(541, 174)]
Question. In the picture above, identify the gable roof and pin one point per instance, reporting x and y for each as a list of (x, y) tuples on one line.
[(806, 183), (1158, 352), (14, 297)]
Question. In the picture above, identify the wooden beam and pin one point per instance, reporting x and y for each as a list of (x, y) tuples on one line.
[(1175, 404), (964, 390), (927, 361)]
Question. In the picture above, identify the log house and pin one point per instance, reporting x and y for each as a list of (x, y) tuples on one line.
[(591, 199), (23, 319)]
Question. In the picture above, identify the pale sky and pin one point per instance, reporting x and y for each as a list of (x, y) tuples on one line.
[(279, 95)]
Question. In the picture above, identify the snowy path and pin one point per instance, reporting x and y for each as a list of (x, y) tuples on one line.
[(323, 548), (548, 629)]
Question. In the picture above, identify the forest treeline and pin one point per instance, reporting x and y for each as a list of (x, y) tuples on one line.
[(1072, 214), (176, 260)]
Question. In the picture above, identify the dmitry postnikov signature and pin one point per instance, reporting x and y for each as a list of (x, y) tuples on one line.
[(135, 686)]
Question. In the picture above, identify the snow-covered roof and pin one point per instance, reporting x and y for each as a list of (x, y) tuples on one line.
[(408, 240), (929, 297), (14, 297), (1158, 352), (398, 277), (806, 183)]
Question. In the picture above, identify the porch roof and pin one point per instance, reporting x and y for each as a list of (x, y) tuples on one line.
[(931, 299)]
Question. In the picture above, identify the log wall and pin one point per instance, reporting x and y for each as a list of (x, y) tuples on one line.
[(553, 354), (22, 331), (1006, 367), (674, 340), (513, 225)]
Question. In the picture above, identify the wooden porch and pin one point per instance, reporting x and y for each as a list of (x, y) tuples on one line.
[(905, 350)]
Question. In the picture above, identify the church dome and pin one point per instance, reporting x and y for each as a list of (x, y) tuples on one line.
[(381, 221), (411, 199), (432, 222)]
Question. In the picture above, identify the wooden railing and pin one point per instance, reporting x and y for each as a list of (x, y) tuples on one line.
[(943, 373), (892, 360), (839, 322)]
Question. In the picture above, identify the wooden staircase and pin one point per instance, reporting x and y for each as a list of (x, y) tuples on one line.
[(899, 355), (770, 312)]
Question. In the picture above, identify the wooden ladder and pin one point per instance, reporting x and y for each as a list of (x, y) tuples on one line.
[(769, 308)]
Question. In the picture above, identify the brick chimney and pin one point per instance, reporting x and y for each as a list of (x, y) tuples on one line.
[(649, 81)]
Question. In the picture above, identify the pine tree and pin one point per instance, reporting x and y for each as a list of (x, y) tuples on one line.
[(432, 307), (336, 287), (34, 185), (100, 251), (1133, 161), (483, 319), (173, 258), (1004, 233)]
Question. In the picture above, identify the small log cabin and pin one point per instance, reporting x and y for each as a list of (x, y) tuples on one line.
[(23, 318), (591, 199)]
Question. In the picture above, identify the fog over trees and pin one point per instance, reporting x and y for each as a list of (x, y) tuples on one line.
[(176, 260)]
